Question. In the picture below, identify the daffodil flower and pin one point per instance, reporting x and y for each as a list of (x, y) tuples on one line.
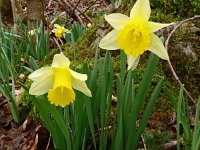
[(89, 25), (58, 81), (134, 34), (59, 30), (32, 32)]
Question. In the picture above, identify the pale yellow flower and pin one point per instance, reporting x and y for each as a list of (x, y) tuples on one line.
[(32, 32), (134, 34), (58, 81), (59, 30), (89, 25)]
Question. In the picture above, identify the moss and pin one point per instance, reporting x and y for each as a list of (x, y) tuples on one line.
[(27, 107), (156, 139), (158, 15), (185, 55), (83, 51), (80, 52)]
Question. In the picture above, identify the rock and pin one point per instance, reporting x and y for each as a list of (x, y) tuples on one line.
[(184, 52)]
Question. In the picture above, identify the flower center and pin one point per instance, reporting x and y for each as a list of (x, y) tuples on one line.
[(134, 38), (59, 32), (62, 93)]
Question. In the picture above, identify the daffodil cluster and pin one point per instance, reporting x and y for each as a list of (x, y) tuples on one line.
[(58, 81), (134, 34), (59, 30)]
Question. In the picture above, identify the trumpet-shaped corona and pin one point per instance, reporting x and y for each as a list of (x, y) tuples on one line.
[(59, 30), (135, 34), (58, 81), (62, 92)]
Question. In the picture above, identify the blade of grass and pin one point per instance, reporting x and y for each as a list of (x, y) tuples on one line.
[(47, 120), (134, 139), (196, 133), (145, 84), (179, 105), (184, 119), (79, 121), (58, 119)]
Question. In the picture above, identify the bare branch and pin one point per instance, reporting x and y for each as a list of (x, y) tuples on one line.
[(169, 62)]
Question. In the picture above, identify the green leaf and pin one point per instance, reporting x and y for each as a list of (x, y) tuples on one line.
[(145, 117), (196, 133), (179, 105), (49, 123), (146, 83)]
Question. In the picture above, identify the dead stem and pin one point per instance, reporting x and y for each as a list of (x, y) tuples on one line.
[(169, 62)]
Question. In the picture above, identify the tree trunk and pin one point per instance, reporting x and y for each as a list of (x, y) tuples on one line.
[(6, 12), (1, 23), (0, 13), (8, 9), (14, 10), (35, 13)]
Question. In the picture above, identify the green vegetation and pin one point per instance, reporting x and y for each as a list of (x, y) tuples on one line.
[(96, 121)]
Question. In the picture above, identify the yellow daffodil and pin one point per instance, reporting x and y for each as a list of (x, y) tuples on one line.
[(32, 32), (59, 30), (58, 81), (134, 34)]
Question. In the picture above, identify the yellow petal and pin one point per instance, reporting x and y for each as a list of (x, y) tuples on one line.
[(40, 73), (81, 86), (109, 42), (54, 30), (134, 38), (132, 61), (141, 10), (67, 31), (32, 32), (62, 93), (61, 96), (58, 34), (117, 20), (78, 76), (60, 60), (157, 47), (57, 26), (153, 26), (42, 85)]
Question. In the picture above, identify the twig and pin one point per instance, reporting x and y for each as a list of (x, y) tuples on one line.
[(88, 7), (169, 62), (49, 4), (4, 102), (75, 7), (68, 9), (143, 141), (52, 22), (37, 129), (48, 142), (60, 41), (86, 17)]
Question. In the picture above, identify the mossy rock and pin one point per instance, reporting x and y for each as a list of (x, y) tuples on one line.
[(184, 52)]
